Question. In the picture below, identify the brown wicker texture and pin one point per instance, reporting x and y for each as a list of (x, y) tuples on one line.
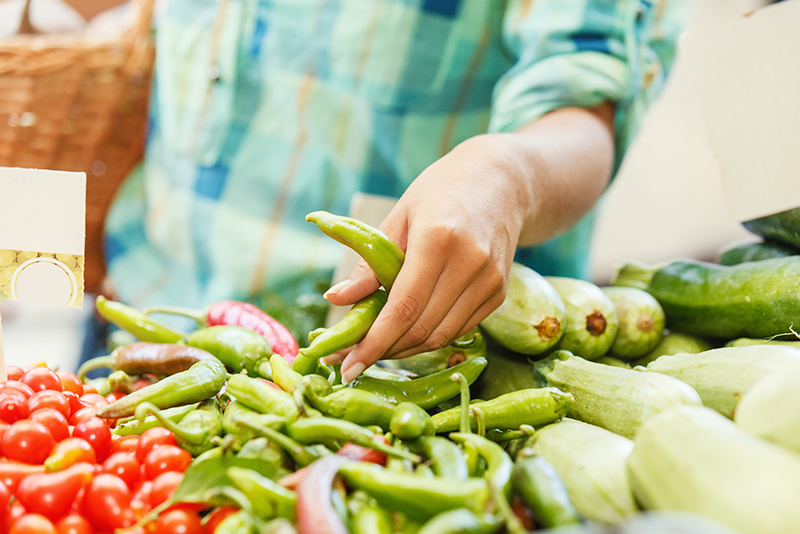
[(70, 103)]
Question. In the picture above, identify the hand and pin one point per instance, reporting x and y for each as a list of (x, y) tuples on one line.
[(459, 224)]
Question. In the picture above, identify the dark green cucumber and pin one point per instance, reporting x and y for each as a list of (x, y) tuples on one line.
[(783, 227), (756, 252), (754, 299)]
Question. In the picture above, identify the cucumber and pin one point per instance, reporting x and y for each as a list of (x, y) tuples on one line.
[(674, 343), (722, 376), (531, 319), (641, 322), (692, 459), (756, 252), (470, 345), (591, 463), (771, 410), (755, 299), (783, 227), (592, 322), (613, 362), (619, 400)]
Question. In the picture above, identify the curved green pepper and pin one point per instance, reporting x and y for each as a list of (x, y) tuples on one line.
[(541, 489), (446, 459), (461, 521), (195, 430), (135, 322), (262, 397), (268, 498), (409, 421), (232, 345)]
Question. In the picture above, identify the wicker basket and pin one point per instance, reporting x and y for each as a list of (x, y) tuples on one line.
[(75, 104)]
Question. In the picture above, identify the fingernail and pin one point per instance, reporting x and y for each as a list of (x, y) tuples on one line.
[(334, 359), (336, 288), (353, 372)]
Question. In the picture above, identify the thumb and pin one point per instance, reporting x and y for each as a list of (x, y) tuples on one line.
[(360, 283)]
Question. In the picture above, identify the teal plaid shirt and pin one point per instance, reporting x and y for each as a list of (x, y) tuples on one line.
[(266, 110)]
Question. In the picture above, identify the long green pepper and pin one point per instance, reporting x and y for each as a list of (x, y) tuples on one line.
[(135, 322), (236, 412), (445, 458), (230, 344), (268, 498), (134, 427), (194, 432), (262, 397), (360, 407)]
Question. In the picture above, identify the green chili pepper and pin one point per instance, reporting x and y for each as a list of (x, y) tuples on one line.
[(366, 516), (360, 407), (524, 407), (268, 498), (283, 374), (236, 412), (399, 465), (389, 374), (541, 489), (237, 523), (475, 465), (135, 322), (120, 382), (326, 429), (461, 521), (230, 344), (408, 421), (262, 397), (350, 330), (101, 384), (262, 449), (195, 430), (301, 455), (424, 470), (134, 427), (418, 497), (426, 392), (445, 458), (382, 254), (201, 381), (504, 436), (210, 454)]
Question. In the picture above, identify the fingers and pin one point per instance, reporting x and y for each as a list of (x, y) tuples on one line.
[(361, 283)]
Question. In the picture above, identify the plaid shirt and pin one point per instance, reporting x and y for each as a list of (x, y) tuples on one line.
[(266, 110)]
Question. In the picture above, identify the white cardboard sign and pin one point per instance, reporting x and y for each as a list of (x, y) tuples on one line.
[(747, 74)]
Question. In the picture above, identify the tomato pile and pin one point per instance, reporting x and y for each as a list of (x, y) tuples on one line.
[(63, 472)]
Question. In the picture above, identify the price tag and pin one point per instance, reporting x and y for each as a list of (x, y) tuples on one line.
[(747, 75)]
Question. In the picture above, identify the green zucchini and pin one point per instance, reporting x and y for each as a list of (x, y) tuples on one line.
[(674, 343), (771, 410), (592, 322), (756, 252), (641, 322), (783, 227), (470, 345), (531, 319), (613, 362), (543, 491), (619, 400), (692, 459), (722, 376), (591, 463), (755, 299)]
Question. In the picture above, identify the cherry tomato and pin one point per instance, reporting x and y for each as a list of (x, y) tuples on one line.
[(93, 399), (125, 444), (141, 383), (218, 516), (25, 389), (28, 441), (13, 405), (179, 522), (52, 494), (74, 402), (152, 438), (74, 524), (106, 503), (49, 399), (125, 466), (88, 388), (54, 420), (96, 432), (16, 511), (140, 502), (14, 373), (115, 396), (69, 452), (33, 524), (164, 486), (5, 498), (166, 458), (70, 382), (40, 378), (84, 413)]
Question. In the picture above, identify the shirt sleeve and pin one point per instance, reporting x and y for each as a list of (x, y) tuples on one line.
[(580, 53)]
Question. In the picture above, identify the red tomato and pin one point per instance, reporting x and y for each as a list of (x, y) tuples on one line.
[(125, 466), (14, 373), (13, 405), (69, 452), (166, 458), (39, 378), (52, 494), (140, 502), (25, 389), (150, 439), (75, 403), (84, 413), (218, 516), (28, 441), (141, 383), (33, 524), (96, 432), (125, 444), (164, 486), (178, 522), (54, 420), (49, 399), (5, 498), (88, 388), (70, 382), (106, 503), (74, 524), (93, 399)]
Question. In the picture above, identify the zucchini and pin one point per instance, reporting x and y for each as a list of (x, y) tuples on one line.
[(771, 410), (591, 463), (755, 299), (531, 319), (641, 322), (783, 227), (543, 491), (692, 459), (756, 252), (674, 343), (722, 376), (470, 345), (592, 322), (749, 342), (619, 400), (613, 362)]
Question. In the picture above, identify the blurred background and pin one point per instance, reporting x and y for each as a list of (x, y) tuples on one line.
[(665, 203)]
